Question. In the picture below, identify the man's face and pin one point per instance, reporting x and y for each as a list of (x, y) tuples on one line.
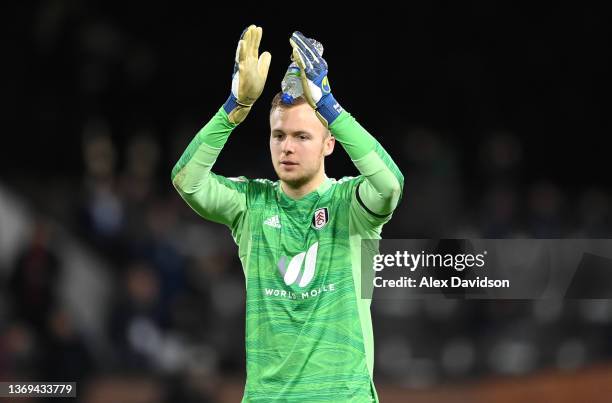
[(298, 143)]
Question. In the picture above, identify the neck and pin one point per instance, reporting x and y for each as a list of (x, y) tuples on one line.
[(299, 191)]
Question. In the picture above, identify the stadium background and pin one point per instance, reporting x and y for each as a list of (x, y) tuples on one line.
[(494, 113)]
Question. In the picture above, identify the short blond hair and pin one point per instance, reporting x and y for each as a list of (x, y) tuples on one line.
[(277, 102)]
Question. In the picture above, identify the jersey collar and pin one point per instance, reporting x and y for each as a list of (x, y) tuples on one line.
[(323, 187)]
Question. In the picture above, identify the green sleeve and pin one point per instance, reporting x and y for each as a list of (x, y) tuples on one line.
[(383, 183), (212, 196)]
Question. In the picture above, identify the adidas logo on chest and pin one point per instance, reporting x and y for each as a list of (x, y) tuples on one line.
[(273, 222)]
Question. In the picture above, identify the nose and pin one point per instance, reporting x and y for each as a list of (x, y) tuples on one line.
[(287, 146)]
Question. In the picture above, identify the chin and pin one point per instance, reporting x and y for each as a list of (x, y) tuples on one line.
[(293, 179)]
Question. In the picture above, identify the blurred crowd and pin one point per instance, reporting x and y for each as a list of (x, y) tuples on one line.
[(175, 309)]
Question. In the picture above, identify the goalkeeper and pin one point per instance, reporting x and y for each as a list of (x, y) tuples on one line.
[(308, 331)]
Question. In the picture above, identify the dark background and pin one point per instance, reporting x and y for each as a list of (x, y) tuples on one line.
[(463, 70), (494, 112)]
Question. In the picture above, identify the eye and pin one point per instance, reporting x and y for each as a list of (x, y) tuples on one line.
[(303, 137)]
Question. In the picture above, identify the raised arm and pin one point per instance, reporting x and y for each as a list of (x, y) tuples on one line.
[(215, 197), (381, 190)]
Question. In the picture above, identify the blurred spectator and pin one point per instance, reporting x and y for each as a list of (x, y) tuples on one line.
[(65, 354), (103, 208), (19, 353), (137, 322), (138, 184), (34, 280), (158, 248), (142, 158)]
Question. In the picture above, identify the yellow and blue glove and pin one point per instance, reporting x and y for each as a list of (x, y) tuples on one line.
[(313, 68), (249, 76)]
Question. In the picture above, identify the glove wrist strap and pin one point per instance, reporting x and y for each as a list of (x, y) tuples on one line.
[(329, 108), (236, 111), (232, 103)]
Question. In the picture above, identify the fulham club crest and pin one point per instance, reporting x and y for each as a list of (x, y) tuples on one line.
[(320, 218)]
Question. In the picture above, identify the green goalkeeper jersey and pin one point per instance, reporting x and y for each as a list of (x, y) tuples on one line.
[(308, 331)]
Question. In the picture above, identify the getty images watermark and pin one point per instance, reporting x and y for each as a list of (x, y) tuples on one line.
[(448, 261), (487, 268)]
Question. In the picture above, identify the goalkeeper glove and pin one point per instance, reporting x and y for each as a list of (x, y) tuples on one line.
[(313, 69), (249, 76)]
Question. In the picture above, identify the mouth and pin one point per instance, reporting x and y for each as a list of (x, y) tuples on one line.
[(288, 163)]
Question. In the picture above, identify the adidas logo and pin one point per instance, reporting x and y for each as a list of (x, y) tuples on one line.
[(273, 222)]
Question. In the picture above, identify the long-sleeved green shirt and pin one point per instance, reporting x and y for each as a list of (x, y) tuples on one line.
[(308, 331)]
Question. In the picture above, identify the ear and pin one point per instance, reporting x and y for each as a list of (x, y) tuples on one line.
[(328, 147)]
